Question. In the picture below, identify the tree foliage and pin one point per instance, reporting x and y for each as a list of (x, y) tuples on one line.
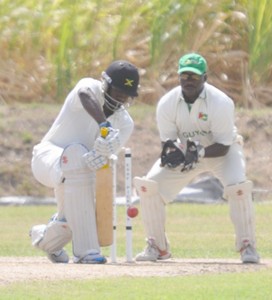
[(47, 46)]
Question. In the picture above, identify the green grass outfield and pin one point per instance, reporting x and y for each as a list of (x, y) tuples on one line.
[(194, 230)]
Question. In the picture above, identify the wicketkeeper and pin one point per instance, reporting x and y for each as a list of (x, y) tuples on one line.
[(70, 153), (198, 134)]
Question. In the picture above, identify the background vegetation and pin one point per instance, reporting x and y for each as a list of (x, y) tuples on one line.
[(47, 46)]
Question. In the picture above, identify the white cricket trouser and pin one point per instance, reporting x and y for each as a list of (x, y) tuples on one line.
[(229, 169), (45, 164)]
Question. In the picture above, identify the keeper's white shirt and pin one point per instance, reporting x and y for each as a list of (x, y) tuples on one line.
[(75, 125), (209, 120)]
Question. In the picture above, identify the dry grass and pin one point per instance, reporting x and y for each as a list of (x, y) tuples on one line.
[(45, 47)]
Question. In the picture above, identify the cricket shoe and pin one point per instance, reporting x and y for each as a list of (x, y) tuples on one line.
[(58, 257), (152, 252), (249, 254), (91, 258)]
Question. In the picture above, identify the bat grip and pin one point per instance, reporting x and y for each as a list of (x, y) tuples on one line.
[(104, 131)]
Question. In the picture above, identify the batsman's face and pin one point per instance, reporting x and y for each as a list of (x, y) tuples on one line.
[(116, 99), (119, 95), (192, 84)]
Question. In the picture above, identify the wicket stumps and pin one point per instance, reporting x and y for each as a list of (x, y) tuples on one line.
[(128, 193), (128, 198), (113, 250)]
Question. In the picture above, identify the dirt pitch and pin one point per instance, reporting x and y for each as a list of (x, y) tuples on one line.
[(26, 269)]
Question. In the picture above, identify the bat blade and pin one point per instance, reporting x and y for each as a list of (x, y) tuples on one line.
[(104, 206)]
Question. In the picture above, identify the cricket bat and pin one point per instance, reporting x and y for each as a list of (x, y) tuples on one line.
[(104, 202)]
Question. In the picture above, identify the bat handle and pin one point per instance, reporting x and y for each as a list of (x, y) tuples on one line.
[(104, 131)]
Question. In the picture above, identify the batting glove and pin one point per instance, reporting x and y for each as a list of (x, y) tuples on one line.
[(106, 146), (94, 160)]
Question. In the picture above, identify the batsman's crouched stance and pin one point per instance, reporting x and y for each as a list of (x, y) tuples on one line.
[(69, 159)]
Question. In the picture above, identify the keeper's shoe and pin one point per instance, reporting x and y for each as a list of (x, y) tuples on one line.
[(249, 254), (92, 258), (59, 257), (152, 252)]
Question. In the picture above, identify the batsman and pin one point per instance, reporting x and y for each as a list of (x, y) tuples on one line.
[(196, 123), (92, 125)]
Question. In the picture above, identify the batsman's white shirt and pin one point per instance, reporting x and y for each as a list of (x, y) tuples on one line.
[(209, 120), (74, 125)]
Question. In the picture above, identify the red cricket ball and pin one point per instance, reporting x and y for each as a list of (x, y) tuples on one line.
[(132, 211)]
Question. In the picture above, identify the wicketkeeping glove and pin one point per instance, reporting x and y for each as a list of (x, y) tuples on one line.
[(193, 153), (94, 160), (106, 146), (171, 155)]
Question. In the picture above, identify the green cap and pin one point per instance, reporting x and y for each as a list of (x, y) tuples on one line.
[(192, 62)]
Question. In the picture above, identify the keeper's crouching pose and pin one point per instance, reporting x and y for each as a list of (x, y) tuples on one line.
[(70, 154), (201, 118)]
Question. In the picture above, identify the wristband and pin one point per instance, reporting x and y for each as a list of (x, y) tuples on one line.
[(105, 124)]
